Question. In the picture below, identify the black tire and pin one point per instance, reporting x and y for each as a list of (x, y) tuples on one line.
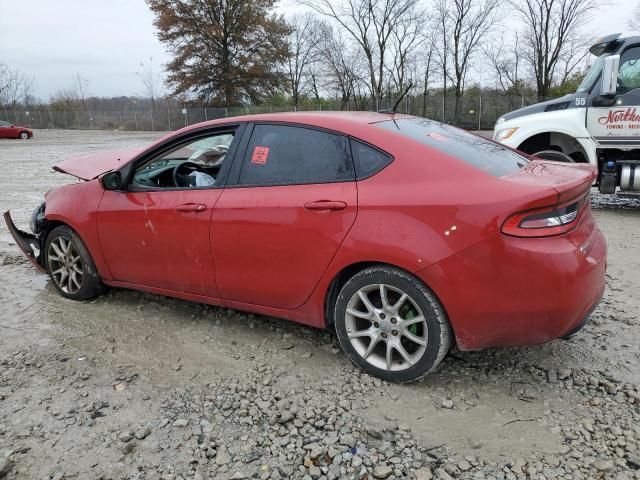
[(24, 136), (438, 332), (554, 156), (90, 284)]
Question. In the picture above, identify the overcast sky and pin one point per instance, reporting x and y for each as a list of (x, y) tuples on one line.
[(105, 40)]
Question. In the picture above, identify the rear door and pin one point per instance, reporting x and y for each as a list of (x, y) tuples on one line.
[(276, 229)]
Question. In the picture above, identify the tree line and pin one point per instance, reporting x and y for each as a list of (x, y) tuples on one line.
[(229, 52), (361, 52)]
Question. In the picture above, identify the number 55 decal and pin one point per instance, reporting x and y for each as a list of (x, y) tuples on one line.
[(581, 102)]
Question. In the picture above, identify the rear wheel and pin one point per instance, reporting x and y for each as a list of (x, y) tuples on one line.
[(391, 325), (70, 266), (24, 135)]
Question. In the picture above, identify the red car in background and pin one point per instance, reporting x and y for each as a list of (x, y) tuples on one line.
[(7, 130), (402, 234)]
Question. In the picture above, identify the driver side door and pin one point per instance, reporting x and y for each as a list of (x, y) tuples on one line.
[(158, 236)]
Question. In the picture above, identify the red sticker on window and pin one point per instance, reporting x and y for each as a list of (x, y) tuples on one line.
[(260, 155)]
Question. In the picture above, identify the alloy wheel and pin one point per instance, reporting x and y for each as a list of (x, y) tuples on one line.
[(65, 265), (386, 327)]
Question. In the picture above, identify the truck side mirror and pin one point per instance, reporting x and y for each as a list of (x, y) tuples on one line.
[(610, 75)]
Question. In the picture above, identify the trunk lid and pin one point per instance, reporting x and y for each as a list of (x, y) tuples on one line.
[(569, 180), (88, 167)]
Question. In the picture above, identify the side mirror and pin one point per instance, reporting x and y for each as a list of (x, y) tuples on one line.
[(112, 181), (610, 75)]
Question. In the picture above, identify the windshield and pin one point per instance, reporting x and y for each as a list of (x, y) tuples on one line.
[(592, 75)]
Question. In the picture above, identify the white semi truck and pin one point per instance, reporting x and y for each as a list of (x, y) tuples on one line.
[(598, 124)]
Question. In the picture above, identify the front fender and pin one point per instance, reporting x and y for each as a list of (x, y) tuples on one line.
[(570, 122), (77, 205)]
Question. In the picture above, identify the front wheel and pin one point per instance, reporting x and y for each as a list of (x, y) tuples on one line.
[(391, 325), (554, 155), (70, 266), (24, 135)]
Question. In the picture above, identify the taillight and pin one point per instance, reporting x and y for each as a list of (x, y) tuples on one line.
[(546, 222)]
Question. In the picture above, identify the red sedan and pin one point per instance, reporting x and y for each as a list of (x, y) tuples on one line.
[(8, 130), (402, 234)]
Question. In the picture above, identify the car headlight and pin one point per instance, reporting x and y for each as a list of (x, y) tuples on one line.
[(37, 219), (504, 134)]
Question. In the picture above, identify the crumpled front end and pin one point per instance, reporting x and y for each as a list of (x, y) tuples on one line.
[(30, 243)]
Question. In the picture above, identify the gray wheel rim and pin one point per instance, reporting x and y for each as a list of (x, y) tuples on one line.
[(24, 136), (386, 327), (65, 265)]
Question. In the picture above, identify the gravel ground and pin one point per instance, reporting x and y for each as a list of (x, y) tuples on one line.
[(133, 385)]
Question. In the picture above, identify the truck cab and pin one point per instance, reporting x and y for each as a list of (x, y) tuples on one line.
[(598, 124)]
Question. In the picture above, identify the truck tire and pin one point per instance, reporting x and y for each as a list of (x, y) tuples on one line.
[(554, 156)]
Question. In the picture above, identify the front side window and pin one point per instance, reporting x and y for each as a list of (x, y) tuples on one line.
[(629, 71), (4, 124), (195, 163), (282, 154), (490, 157)]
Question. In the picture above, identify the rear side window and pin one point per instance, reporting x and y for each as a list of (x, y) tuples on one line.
[(487, 156), (368, 160), (282, 154)]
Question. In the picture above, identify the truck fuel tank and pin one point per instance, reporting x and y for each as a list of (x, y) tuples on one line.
[(630, 175)]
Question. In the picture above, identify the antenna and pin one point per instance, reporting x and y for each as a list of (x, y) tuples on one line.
[(395, 106)]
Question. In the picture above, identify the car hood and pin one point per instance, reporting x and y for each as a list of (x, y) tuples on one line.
[(88, 167), (561, 103)]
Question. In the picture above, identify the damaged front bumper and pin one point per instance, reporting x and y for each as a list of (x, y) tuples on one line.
[(28, 243)]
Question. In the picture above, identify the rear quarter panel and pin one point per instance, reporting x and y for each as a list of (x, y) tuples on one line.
[(510, 291), (427, 205), (424, 207)]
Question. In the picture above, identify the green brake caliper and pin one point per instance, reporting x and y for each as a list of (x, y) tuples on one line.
[(407, 312)]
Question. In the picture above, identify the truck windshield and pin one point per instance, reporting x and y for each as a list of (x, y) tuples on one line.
[(592, 75)]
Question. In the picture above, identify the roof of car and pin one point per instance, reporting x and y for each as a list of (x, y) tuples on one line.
[(334, 120)]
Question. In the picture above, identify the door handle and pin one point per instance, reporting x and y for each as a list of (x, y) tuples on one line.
[(324, 205), (191, 207)]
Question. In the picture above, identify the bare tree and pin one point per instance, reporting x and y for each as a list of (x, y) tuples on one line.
[(465, 25), (151, 81), (504, 61), (304, 39), (65, 99), (81, 85), (371, 24), (634, 21), (27, 91), (73, 97), (15, 87), (406, 38), (341, 68), (428, 45), (552, 38)]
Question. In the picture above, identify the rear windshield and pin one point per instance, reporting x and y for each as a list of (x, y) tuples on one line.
[(487, 156)]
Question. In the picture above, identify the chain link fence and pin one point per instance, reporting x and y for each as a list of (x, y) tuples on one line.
[(474, 112)]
